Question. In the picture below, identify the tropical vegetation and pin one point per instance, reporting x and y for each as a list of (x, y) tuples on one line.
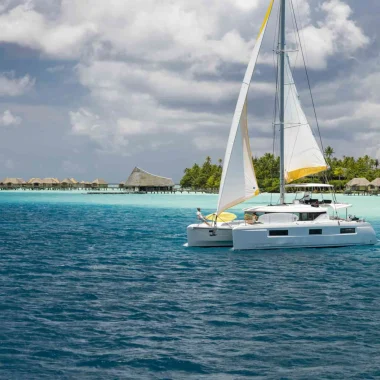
[(267, 167)]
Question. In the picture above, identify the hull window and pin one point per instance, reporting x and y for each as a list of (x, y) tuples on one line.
[(315, 231), (347, 230), (278, 233)]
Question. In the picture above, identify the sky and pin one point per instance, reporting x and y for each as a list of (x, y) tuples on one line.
[(93, 88)]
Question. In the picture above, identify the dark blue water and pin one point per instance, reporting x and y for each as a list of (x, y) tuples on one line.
[(103, 291)]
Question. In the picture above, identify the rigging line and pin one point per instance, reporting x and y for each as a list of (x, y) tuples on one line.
[(295, 39), (302, 27), (275, 65), (311, 94), (308, 81)]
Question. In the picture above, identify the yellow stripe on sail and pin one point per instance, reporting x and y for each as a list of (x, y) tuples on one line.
[(269, 10), (303, 172)]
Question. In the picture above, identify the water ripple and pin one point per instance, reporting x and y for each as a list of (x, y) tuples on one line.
[(105, 291)]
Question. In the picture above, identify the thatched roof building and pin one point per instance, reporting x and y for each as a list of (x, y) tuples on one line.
[(12, 182), (85, 184), (35, 182), (140, 180), (358, 184), (375, 183), (51, 182), (99, 182)]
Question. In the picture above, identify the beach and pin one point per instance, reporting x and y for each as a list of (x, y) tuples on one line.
[(103, 287)]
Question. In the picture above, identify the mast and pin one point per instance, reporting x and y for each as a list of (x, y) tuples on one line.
[(282, 99)]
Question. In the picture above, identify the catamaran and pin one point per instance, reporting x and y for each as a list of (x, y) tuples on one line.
[(305, 222)]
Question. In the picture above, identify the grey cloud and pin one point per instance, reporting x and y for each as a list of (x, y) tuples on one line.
[(161, 82)]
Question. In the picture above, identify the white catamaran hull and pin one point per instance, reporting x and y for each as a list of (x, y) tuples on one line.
[(299, 235), (201, 235)]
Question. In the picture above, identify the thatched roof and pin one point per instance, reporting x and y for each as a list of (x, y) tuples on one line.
[(74, 181), (140, 177), (50, 181), (67, 181), (99, 181), (376, 182), (13, 181), (358, 182), (35, 180)]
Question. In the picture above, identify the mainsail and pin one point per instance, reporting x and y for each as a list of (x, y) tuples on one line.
[(238, 181), (303, 156)]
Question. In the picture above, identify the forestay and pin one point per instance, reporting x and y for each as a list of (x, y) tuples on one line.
[(238, 181), (303, 156)]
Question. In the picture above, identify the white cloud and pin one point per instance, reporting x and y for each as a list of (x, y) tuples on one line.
[(7, 119), (25, 26), (337, 33), (169, 72), (86, 123), (11, 86)]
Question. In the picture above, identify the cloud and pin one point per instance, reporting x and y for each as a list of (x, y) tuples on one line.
[(7, 119), (336, 33), (11, 86), (207, 143), (151, 74), (26, 26), (86, 123)]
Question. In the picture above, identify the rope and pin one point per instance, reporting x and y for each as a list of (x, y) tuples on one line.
[(311, 94), (275, 65)]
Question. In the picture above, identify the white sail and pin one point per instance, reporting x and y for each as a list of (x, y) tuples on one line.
[(302, 154), (238, 181)]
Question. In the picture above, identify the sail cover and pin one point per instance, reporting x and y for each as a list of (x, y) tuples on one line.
[(302, 154), (238, 181)]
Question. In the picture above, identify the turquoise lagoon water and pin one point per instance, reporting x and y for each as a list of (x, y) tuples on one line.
[(101, 286)]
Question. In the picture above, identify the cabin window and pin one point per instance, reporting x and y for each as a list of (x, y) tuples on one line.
[(315, 231), (347, 230), (278, 232), (306, 216)]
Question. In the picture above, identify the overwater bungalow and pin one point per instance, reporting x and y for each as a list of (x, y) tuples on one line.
[(35, 183), (12, 183), (375, 184), (358, 184), (85, 185), (50, 183), (99, 183), (140, 180), (67, 183), (75, 183)]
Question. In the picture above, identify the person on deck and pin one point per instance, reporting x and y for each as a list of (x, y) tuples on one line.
[(306, 198), (201, 217), (250, 218)]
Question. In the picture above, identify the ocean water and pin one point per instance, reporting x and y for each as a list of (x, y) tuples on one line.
[(101, 287)]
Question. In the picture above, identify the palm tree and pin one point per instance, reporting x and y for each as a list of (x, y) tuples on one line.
[(339, 172), (329, 152)]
